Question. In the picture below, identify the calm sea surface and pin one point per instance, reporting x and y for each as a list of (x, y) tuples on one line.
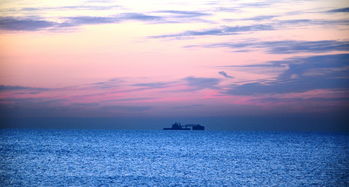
[(171, 158)]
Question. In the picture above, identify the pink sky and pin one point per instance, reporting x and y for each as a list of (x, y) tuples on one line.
[(166, 58)]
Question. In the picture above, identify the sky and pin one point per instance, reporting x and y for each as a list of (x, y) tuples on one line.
[(228, 64)]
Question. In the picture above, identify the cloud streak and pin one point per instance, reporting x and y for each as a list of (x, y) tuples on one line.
[(109, 84), (152, 85), (274, 24), (77, 7), (224, 74), (199, 83), (228, 30), (346, 9), (289, 46), (303, 74), (88, 20), (4, 88), (24, 24), (181, 13), (35, 24), (261, 18)]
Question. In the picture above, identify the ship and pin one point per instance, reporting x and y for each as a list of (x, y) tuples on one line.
[(179, 126)]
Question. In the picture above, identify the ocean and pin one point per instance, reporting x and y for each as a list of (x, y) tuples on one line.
[(172, 158)]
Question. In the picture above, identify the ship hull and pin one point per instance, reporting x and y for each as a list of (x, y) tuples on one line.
[(176, 129)]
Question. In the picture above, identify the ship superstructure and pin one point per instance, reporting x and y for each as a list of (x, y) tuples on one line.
[(179, 126)]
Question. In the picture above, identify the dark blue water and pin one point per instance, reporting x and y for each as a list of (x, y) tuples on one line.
[(170, 158)]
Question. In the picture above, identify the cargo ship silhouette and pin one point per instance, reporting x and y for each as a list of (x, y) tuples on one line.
[(178, 126)]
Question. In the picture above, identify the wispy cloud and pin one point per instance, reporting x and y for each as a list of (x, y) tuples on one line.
[(198, 83), (74, 7), (88, 20), (24, 24), (273, 24), (224, 74), (256, 4), (339, 10), (139, 17), (297, 77), (83, 20), (306, 22), (181, 13), (108, 84), (33, 23), (152, 85), (260, 18), (21, 89), (227, 30), (289, 46)]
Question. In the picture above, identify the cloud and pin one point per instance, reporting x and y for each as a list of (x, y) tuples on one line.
[(260, 18), (89, 20), (224, 74), (82, 20), (109, 84), (331, 72), (227, 30), (32, 24), (24, 24), (181, 13), (139, 17), (256, 4), (152, 85), (346, 9), (198, 83), (227, 9), (283, 47), (296, 22), (4, 88), (10, 88), (289, 46), (235, 30), (79, 7), (32, 101), (307, 22), (129, 99)]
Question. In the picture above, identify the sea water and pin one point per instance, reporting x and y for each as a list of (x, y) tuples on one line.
[(171, 158)]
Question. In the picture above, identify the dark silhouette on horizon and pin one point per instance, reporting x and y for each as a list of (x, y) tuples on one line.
[(179, 126)]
